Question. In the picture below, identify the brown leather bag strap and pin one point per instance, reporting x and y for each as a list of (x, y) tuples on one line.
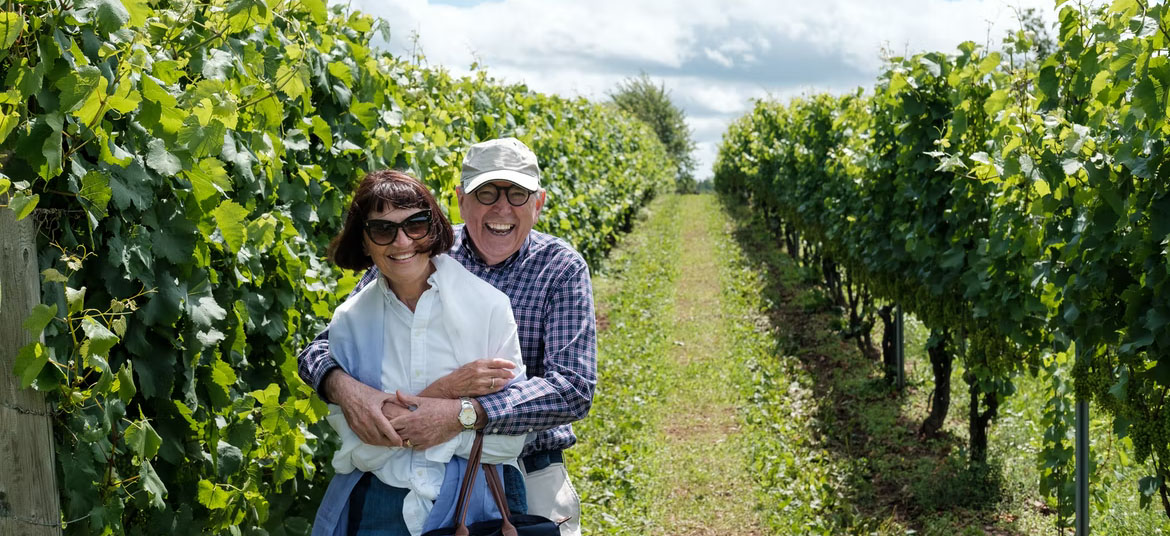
[(497, 489), (468, 484)]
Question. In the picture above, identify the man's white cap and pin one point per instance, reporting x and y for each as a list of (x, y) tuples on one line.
[(503, 159)]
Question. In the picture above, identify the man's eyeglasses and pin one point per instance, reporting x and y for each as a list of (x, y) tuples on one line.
[(383, 232), (488, 194)]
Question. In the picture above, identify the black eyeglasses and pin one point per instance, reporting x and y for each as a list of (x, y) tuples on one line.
[(516, 195), (383, 232)]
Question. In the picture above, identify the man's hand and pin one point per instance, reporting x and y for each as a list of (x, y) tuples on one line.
[(432, 421), (363, 406), (477, 378)]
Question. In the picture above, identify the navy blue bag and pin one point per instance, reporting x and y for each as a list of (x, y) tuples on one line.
[(508, 525)]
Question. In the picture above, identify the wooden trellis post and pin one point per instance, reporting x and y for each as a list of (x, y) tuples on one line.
[(29, 503)]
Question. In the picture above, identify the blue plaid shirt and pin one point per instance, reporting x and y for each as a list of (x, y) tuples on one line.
[(552, 300)]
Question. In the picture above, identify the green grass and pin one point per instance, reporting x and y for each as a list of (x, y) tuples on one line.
[(635, 298)]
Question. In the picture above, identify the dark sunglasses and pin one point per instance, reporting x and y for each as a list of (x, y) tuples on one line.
[(383, 232), (516, 195)]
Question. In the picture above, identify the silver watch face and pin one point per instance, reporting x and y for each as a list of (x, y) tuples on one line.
[(467, 414)]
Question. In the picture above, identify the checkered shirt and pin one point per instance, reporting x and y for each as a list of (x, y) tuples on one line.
[(552, 300)]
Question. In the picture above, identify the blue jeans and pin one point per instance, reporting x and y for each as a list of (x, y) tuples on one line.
[(375, 508)]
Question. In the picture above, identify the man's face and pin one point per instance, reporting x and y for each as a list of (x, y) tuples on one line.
[(499, 229)]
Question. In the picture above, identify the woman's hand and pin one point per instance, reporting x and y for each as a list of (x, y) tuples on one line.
[(478, 378)]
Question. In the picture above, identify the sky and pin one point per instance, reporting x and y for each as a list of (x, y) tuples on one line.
[(713, 57)]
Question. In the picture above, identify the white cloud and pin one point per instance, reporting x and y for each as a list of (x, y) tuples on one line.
[(718, 57), (713, 56)]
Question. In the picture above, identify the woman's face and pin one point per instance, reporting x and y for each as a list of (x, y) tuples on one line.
[(404, 259)]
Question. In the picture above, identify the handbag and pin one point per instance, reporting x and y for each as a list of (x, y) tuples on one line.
[(507, 525)]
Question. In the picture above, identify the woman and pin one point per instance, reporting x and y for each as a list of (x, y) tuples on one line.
[(424, 318)]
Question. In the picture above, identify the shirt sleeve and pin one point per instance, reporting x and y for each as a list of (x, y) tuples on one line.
[(564, 392), (315, 361)]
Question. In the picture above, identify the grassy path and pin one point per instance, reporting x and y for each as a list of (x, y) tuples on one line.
[(669, 447), (701, 485)]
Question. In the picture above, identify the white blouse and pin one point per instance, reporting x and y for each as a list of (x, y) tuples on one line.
[(456, 321)]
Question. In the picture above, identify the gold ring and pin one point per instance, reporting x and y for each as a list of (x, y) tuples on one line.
[(493, 384), (406, 443)]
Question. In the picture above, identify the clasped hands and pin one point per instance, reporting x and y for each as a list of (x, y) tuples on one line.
[(415, 421)]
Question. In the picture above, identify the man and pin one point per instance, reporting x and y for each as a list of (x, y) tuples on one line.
[(500, 199)]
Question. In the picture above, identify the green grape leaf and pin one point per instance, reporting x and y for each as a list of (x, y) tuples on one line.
[(39, 317), (209, 180), (205, 311), (95, 188), (126, 388), (212, 496), (217, 64), (291, 80), (100, 338), (989, 63), (8, 122), (202, 141), (262, 232), (131, 186), (11, 25), (158, 159), (317, 10), (229, 217), (51, 275), (77, 86), (1146, 98), (270, 396), (30, 359), (23, 204), (230, 459), (223, 375), (319, 128), (1155, 319), (111, 15), (75, 298), (142, 439), (996, 102), (366, 114), (155, 489), (125, 98)]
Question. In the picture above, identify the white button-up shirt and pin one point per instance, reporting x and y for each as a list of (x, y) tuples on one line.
[(457, 320)]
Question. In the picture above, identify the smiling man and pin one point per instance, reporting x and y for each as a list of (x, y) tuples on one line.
[(500, 199)]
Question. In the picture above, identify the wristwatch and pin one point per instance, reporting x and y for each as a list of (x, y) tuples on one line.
[(467, 416)]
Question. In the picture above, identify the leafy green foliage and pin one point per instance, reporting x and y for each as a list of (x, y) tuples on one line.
[(1020, 201), (191, 161), (651, 103)]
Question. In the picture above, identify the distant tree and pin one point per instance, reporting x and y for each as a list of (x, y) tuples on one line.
[(651, 103), (1033, 36)]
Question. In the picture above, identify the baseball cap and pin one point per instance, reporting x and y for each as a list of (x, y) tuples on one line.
[(502, 159)]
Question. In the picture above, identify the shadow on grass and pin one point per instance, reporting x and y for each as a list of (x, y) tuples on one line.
[(894, 474)]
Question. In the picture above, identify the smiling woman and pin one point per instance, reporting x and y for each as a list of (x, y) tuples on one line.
[(424, 318)]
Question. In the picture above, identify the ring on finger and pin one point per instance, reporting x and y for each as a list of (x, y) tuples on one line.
[(493, 384), (406, 443)]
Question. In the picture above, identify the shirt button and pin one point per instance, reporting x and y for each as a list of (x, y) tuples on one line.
[(496, 430), (530, 430)]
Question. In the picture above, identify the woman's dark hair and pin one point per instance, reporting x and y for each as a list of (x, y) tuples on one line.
[(377, 190)]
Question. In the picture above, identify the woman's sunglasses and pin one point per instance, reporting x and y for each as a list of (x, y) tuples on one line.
[(415, 226)]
